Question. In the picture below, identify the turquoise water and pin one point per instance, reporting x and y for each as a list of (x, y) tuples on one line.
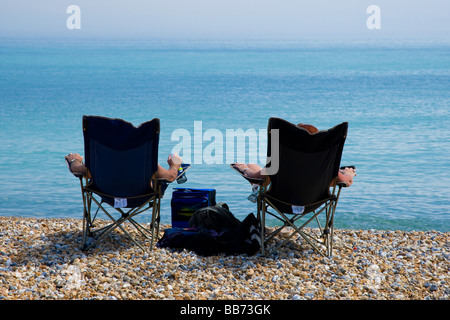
[(395, 96)]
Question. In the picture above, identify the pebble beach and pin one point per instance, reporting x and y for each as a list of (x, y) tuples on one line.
[(41, 259)]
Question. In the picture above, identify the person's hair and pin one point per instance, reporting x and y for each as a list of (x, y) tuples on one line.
[(308, 127)]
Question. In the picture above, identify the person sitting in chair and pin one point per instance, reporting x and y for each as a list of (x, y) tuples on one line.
[(174, 161), (254, 171)]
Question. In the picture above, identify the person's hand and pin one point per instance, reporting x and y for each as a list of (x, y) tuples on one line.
[(242, 167), (72, 156), (349, 171), (174, 159)]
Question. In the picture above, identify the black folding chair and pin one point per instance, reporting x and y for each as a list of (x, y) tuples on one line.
[(121, 160), (303, 183)]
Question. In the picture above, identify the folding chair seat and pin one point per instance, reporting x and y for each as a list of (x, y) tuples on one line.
[(121, 160), (303, 184)]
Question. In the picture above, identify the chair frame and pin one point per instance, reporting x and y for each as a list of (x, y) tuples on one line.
[(92, 197), (323, 244), (324, 207), (89, 231)]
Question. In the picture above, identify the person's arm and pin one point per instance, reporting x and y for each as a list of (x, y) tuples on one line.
[(174, 161), (76, 163), (249, 170)]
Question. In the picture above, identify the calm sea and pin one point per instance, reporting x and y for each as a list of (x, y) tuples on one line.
[(395, 96)]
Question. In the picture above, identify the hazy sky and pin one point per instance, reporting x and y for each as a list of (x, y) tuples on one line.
[(224, 18)]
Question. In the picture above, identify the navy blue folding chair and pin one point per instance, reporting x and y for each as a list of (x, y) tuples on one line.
[(121, 161), (303, 186)]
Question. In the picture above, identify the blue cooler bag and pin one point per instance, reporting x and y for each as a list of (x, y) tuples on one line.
[(186, 201)]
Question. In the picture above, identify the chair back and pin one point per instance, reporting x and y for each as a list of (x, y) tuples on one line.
[(307, 162), (120, 157)]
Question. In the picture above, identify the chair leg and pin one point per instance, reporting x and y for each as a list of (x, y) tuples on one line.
[(155, 212), (86, 216), (325, 239), (262, 223), (86, 230), (330, 228), (117, 223)]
